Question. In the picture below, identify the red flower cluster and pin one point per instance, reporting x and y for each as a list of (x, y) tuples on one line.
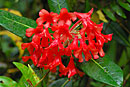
[(83, 38)]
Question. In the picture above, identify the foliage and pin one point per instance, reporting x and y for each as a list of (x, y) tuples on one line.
[(111, 70)]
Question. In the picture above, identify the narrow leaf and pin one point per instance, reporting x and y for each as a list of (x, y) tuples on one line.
[(103, 70), (7, 82), (118, 10), (12, 11), (21, 67), (22, 82), (118, 34), (109, 14), (36, 78), (28, 73), (124, 5), (15, 24), (57, 5), (123, 59), (101, 16)]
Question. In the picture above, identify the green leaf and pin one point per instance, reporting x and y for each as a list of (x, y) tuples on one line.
[(123, 59), (128, 1), (109, 13), (118, 34), (7, 82), (28, 73), (97, 84), (103, 70), (59, 82), (118, 10), (22, 82), (57, 5), (126, 70), (112, 50), (124, 5), (21, 67), (36, 78), (16, 24)]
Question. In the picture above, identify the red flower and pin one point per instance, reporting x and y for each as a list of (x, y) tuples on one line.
[(74, 44), (71, 67), (47, 17), (31, 31), (65, 17), (62, 32), (47, 49), (63, 70), (84, 16), (82, 49)]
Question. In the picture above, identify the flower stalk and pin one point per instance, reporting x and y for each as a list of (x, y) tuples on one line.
[(42, 78), (63, 85)]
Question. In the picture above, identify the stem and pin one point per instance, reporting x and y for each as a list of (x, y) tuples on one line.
[(75, 24), (59, 5), (65, 82), (29, 82), (126, 78), (42, 78)]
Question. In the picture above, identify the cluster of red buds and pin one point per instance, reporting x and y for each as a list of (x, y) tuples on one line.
[(73, 35)]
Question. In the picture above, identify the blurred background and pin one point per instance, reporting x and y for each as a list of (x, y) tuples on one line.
[(114, 13)]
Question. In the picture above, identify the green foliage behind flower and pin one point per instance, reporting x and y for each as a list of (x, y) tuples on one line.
[(111, 70)]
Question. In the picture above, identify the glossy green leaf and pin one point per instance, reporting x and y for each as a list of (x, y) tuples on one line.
[(16, 24), (22, 82), (109, 13), (124, 5), (28, 73), (7, 82), (118, 10), (40, 73), (60, 82), (118, 33), (56, 5), (36, 78), (98, 84), (112, 49), (21, 67), (103, 70)]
